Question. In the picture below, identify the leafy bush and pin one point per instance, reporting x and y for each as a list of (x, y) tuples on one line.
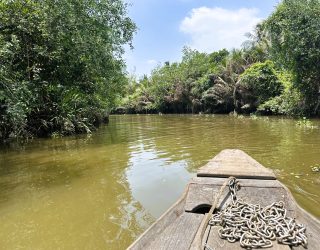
[(261, 80), (293, 31), (289, 102)]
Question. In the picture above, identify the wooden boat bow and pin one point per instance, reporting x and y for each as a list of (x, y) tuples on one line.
[(178, 228)]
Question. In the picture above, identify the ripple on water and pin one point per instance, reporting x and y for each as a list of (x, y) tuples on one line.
[(101, 191)]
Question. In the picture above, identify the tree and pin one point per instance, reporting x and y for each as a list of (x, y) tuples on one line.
[(294, 32), (221, 97), (257, 85), (68, 55)]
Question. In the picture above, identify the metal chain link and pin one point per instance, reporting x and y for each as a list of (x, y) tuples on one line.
[(255, 226)]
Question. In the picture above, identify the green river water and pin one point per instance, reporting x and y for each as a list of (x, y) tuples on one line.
[(101, 191)]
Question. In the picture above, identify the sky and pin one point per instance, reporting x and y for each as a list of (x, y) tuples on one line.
[(166, 26)]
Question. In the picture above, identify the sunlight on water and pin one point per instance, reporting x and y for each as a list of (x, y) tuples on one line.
[(102, 191)]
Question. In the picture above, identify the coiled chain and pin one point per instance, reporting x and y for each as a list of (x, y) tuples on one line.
[(255, 226)]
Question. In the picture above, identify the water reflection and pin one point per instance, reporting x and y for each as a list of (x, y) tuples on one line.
[(155, 179), (101, 191), (71, 193)]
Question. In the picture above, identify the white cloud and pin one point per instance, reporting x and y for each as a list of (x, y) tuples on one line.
[(152, 62), (216, 28)]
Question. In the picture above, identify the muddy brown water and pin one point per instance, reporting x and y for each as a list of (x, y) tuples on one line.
[(101, 191)]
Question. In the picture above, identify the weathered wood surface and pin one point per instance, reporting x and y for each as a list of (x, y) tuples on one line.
[(179, 235), (312, 224), (245, 182), (178, 227), (157, 228), (212, 239), (234, 162), (202, 195)]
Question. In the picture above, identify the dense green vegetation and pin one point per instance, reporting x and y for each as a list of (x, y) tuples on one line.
[(60, 64), (61, 68), (275, 72)]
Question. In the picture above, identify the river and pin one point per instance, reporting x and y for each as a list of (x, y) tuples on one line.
[(101, 191)]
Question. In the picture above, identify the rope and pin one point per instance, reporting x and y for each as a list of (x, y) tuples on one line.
[(207, 218), (255, 226)]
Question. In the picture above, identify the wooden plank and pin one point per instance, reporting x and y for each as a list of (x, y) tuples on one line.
[(195, 245), (234, 162), (312, 228), (218, 181), (210, 236), (243, 182), (311, 223), (204, 195), (161, 224), (215, 242), (179, 235)]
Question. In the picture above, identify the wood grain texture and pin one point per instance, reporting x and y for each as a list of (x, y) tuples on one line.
[(179, 235), (196, 244), (178, 227), (243, 182), (312, 224), (234, 162), (156, 229), (200, 195)]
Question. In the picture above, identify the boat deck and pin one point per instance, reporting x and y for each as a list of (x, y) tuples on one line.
[(179, 227)]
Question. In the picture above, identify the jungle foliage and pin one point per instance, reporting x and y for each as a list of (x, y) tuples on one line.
[(61, 68), (275, 72), (294, 34), (220, 82), (60, 64)]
